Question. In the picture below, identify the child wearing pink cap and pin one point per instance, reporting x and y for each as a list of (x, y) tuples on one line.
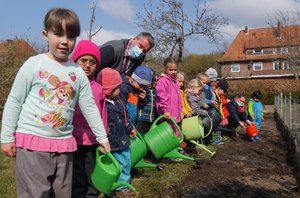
[(87, 56), (119, 127)]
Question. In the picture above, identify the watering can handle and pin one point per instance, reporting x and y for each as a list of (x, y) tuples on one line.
[(175, 124), (98, 151), (109, 155), (211, 125), (140, 137)]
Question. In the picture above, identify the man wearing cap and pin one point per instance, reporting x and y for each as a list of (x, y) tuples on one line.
[(125, 55)]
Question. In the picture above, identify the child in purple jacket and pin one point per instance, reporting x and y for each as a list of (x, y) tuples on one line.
[(87, 56)]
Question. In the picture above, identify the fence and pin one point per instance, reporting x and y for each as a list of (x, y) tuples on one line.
[(287, 116), (287, 113)]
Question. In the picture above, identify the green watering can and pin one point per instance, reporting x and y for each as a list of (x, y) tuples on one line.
[(163, 142), (193, 129), (106, 174), (138, 150)]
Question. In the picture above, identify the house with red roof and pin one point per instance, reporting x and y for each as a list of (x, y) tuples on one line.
[(263, 53)]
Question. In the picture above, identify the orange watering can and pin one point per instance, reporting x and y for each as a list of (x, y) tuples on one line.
[(163, 142), (251, 130), (106, 174)]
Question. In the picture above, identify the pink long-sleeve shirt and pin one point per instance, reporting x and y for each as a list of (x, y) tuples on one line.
[(82, 132)]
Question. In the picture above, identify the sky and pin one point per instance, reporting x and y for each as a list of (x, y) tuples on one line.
[(24, 19)]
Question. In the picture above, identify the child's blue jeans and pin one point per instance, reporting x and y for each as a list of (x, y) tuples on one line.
[(123, 157)]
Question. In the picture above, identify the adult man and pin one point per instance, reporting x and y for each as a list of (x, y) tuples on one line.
[(125, 55), (237, 113)]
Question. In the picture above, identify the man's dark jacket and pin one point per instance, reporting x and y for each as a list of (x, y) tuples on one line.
[(113, 55), (235, 117)]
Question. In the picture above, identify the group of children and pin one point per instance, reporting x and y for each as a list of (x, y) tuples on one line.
[(205, 93), (57, 114)]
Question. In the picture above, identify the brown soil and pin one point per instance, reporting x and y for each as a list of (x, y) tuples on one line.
[(244, 169)]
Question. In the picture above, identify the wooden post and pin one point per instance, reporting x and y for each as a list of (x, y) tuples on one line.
[(275, 103), (291, 114), (285, 111), (281, 105)]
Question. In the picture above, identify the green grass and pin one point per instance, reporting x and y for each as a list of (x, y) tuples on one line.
[(7, 177), (151, 183)]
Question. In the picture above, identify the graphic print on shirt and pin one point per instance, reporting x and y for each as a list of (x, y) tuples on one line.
[(72, 76), (64, 91), (59, 95)]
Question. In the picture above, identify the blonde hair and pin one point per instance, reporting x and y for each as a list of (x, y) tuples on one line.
[(183, 75), (203, 77), (194, 83)]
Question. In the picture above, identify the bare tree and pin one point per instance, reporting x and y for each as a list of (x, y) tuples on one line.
[(286, 29), (172, 25), (92, 20)]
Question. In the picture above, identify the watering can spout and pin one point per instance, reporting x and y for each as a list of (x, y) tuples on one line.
[(175, 154), (143, 164)]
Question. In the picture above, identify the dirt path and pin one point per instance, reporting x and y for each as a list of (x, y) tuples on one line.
[(244, 169)]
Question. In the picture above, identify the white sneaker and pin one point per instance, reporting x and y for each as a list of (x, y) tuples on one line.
[(175, 159)]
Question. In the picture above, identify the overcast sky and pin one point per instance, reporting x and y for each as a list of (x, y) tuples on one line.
[(24, 19)]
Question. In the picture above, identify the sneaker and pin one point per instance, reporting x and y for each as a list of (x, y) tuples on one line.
[(175, 160), (182, 152), (257, 138), (218, 142), (125, 193)]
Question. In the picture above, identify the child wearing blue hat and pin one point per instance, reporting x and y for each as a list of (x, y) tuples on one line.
[(133, 91)]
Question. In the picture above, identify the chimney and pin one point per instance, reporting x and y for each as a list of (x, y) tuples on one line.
[(246, 29), (278, 26)]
